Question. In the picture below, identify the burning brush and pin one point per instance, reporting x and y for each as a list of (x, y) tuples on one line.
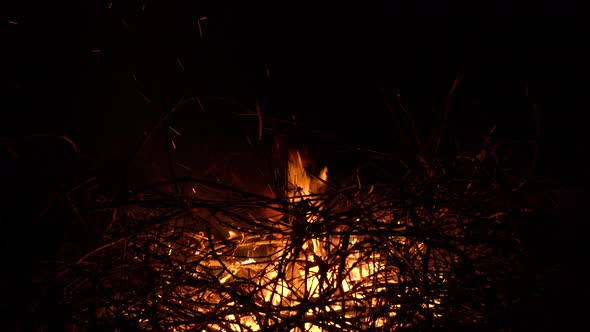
[(424, 250)]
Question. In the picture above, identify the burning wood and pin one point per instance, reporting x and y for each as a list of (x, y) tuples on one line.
[(393, 257)]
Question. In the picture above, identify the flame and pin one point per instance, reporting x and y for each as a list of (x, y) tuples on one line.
[(303, 184)]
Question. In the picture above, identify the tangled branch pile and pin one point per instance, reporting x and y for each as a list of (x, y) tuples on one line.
[(433, 248)]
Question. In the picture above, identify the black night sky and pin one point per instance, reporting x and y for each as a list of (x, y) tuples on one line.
[(102, 73), (96, 73)]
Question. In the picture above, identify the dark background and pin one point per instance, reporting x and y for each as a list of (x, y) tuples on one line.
[(102, 76), (88, 71)]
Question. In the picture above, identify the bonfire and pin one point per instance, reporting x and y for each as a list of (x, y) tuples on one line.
[(424, 249)]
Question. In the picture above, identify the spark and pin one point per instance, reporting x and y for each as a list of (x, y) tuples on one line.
[(267, 70), (71, 142), (174, 130), (180, 64), (200, 27), (13, 22), (200, 104), (184, 166), (11, 151), (455, 84), (144, 96)]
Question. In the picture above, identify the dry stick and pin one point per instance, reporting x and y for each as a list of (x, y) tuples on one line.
[(410, 119), (388, 105), (446, 110), (95, 251), (65, 138)]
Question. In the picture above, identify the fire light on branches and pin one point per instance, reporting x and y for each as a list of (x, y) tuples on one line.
[(388, 257)]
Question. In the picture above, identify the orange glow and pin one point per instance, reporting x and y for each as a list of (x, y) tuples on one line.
[(298, 267)]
